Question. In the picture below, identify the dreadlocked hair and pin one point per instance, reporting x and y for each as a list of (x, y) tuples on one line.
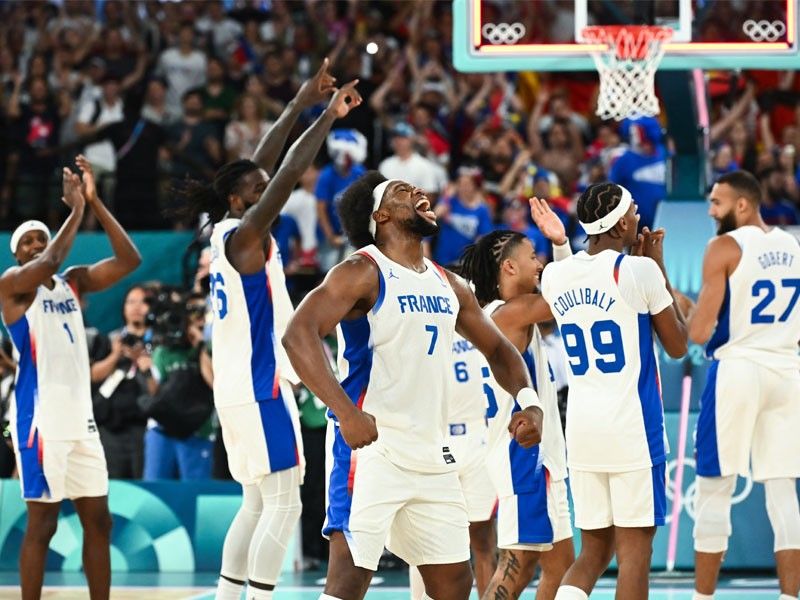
[(212, 198), (597, 201), (355, 208), (480, 263)]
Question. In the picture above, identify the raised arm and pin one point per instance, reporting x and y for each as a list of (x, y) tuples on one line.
[(107, 272), (246, 246), (505, 361), (312, 92), (24, 279), (722, 255), (350, 289)]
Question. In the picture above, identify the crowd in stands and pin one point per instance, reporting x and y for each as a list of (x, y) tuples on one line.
[(156, 92)]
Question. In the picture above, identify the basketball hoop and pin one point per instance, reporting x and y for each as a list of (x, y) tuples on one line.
[(627, 68)]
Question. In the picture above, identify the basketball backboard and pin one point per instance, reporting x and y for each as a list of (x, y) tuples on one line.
[(545, 35)]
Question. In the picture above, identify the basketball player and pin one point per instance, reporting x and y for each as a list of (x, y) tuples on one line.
[(58, 448), (607, 304), (533, 514), (397, 313), (466, 438), (254, 402), (750, 411)]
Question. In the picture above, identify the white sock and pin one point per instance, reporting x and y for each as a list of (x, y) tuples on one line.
[(570, 592), (227, 590), (327, 597), (254, 593), (699, 596), (787, 597)]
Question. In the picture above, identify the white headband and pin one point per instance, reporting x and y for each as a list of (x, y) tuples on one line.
[(608, 222), (377, 196), (27, 226)]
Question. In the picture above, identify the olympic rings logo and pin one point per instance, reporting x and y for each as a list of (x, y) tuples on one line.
[(689, 497), (763, 31), (503, 33)]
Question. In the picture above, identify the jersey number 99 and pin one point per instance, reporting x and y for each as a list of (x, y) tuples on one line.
[(606, 339)]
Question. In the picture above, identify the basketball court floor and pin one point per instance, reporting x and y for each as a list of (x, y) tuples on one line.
[(386, 586)]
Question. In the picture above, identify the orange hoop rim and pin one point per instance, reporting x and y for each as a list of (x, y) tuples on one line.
[(615, 35)]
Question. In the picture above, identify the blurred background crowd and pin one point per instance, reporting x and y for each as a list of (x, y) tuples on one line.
[(157, 92)]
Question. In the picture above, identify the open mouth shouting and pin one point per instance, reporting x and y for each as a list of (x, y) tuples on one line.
[(423, 208)]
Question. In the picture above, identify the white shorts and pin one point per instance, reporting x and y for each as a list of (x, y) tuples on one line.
[(262, 437), (629, 499), (420, 517), (63, 470), (468, 444), (749, 413), (532, 522)]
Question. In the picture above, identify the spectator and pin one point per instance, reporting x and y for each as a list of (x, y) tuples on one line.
[(154, 108), (243, 134), (302, 207), (408, 165), (218, 97), (642, 169), (222, 30), (183, 67), (121, 372), (106, 109), (30, 166), (776, 209), (279, 86), (463, 217), (192, 142), (347, 149)]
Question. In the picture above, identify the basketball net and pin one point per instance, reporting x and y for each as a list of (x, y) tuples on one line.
[(627, 68)]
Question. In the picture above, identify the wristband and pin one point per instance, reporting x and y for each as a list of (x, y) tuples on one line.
[(527, 397), (561, 252)]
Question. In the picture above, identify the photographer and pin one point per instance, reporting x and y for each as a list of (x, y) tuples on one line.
[(120, 369), (179, 438)]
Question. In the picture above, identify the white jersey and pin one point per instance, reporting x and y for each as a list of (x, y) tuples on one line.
[(245, 356), (512, 467), (283, 310), (603, 305), (467, 402), (396, 362), (52, 396), (543, 378), (758, 319)]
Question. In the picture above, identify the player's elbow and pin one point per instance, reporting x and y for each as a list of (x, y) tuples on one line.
[(292, 342)]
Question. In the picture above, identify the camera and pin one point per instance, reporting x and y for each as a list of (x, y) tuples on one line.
[(130, 339), (168, 318)]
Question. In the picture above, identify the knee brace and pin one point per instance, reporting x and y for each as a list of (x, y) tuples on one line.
[(783, 512), (712, 522)]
